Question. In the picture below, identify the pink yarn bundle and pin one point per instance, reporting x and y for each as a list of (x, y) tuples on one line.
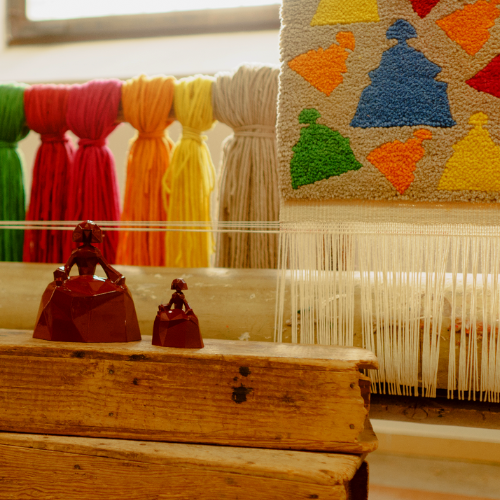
[(93, 188)]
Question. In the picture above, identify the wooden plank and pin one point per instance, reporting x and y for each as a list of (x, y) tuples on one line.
[(231, 393), (327, 469), (438, 411), (265, 354), (67, 468)]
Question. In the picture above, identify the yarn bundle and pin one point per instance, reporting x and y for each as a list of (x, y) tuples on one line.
[(46, 107), (147, 103), (12, 129), (248, 191), (93, 187), (190, 179)]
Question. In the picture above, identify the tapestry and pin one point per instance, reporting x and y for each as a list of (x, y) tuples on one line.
[(390, 100), (389, 166)]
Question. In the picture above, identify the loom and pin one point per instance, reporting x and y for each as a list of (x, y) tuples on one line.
[(407, 273), (386, 240)]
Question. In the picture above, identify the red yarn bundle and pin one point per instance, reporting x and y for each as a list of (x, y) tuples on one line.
[(93, 188), (45, 109)]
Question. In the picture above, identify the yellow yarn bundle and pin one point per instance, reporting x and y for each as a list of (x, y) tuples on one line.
[(146, 106), (189, 181)]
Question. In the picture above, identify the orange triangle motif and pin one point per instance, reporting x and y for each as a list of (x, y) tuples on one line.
[(469, 27), (398, 160), (323, 68)]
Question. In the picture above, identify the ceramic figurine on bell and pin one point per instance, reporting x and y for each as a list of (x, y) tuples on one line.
[(87, 308), (175, 327)]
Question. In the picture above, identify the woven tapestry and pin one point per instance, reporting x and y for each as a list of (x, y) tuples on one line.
[(389, 150), (390, 100)]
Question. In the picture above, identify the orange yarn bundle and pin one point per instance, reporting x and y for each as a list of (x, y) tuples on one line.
[(146, 106)]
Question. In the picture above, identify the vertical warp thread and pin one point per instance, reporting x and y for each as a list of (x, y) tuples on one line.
[(93, 188), (190, 179), (423, 297), (146, 104), (12, 130), (45, 107), (248, 190)]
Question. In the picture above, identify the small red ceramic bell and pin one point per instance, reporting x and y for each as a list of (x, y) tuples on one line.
[(175, 327), (87, 308)]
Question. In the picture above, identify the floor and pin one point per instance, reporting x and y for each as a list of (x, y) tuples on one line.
[(404, 478)]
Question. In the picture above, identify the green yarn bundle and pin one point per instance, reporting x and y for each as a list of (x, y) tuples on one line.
[(12, 129)]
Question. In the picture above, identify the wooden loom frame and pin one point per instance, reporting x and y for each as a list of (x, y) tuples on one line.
[(22, 31)]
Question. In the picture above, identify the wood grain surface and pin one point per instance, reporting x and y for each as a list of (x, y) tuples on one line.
[(65, 468), (230, 393), (327, 469)]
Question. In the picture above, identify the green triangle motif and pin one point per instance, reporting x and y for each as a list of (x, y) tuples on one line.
[(320, 153)]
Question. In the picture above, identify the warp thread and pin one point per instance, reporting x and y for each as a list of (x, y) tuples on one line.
[(146, 103), (92, 187), (12, 130), (418, 292), (248, 186), (190, 179), (45, 107)]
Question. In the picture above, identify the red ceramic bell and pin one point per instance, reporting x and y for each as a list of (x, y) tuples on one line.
[(87, 308), (175, 327)]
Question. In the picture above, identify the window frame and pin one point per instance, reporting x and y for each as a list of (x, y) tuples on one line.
[(22, 31)]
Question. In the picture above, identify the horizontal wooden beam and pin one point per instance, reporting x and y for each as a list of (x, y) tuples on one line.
[(438, 411), (253, 394), (22, 31), (72, 468)]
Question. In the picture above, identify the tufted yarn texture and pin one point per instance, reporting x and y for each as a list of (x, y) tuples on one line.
[(147, 104), (423, 64), (190, 179), (248, 190), (45, 107), (12, 130), (92, 187)]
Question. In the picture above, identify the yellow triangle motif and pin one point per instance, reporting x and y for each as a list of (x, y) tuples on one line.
[(475, 164), (346, 12)]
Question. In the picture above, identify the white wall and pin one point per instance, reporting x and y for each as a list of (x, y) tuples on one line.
[(178, 56)]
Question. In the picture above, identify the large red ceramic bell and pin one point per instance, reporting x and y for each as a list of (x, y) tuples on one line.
[(87, 308), (175, 327)]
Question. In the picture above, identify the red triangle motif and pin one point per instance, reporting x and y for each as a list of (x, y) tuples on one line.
[(423, 7), (488, 79)]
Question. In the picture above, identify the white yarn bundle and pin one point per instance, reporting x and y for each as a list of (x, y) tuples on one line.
[(248, 189)]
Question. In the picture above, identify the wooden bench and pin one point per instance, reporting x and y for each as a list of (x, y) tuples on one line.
[(180, 423)]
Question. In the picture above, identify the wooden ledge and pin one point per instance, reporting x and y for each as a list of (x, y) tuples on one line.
[(251, 394), (72, 468), (319, 468), (262, 354)]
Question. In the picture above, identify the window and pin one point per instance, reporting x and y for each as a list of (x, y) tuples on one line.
[(52, 21)]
